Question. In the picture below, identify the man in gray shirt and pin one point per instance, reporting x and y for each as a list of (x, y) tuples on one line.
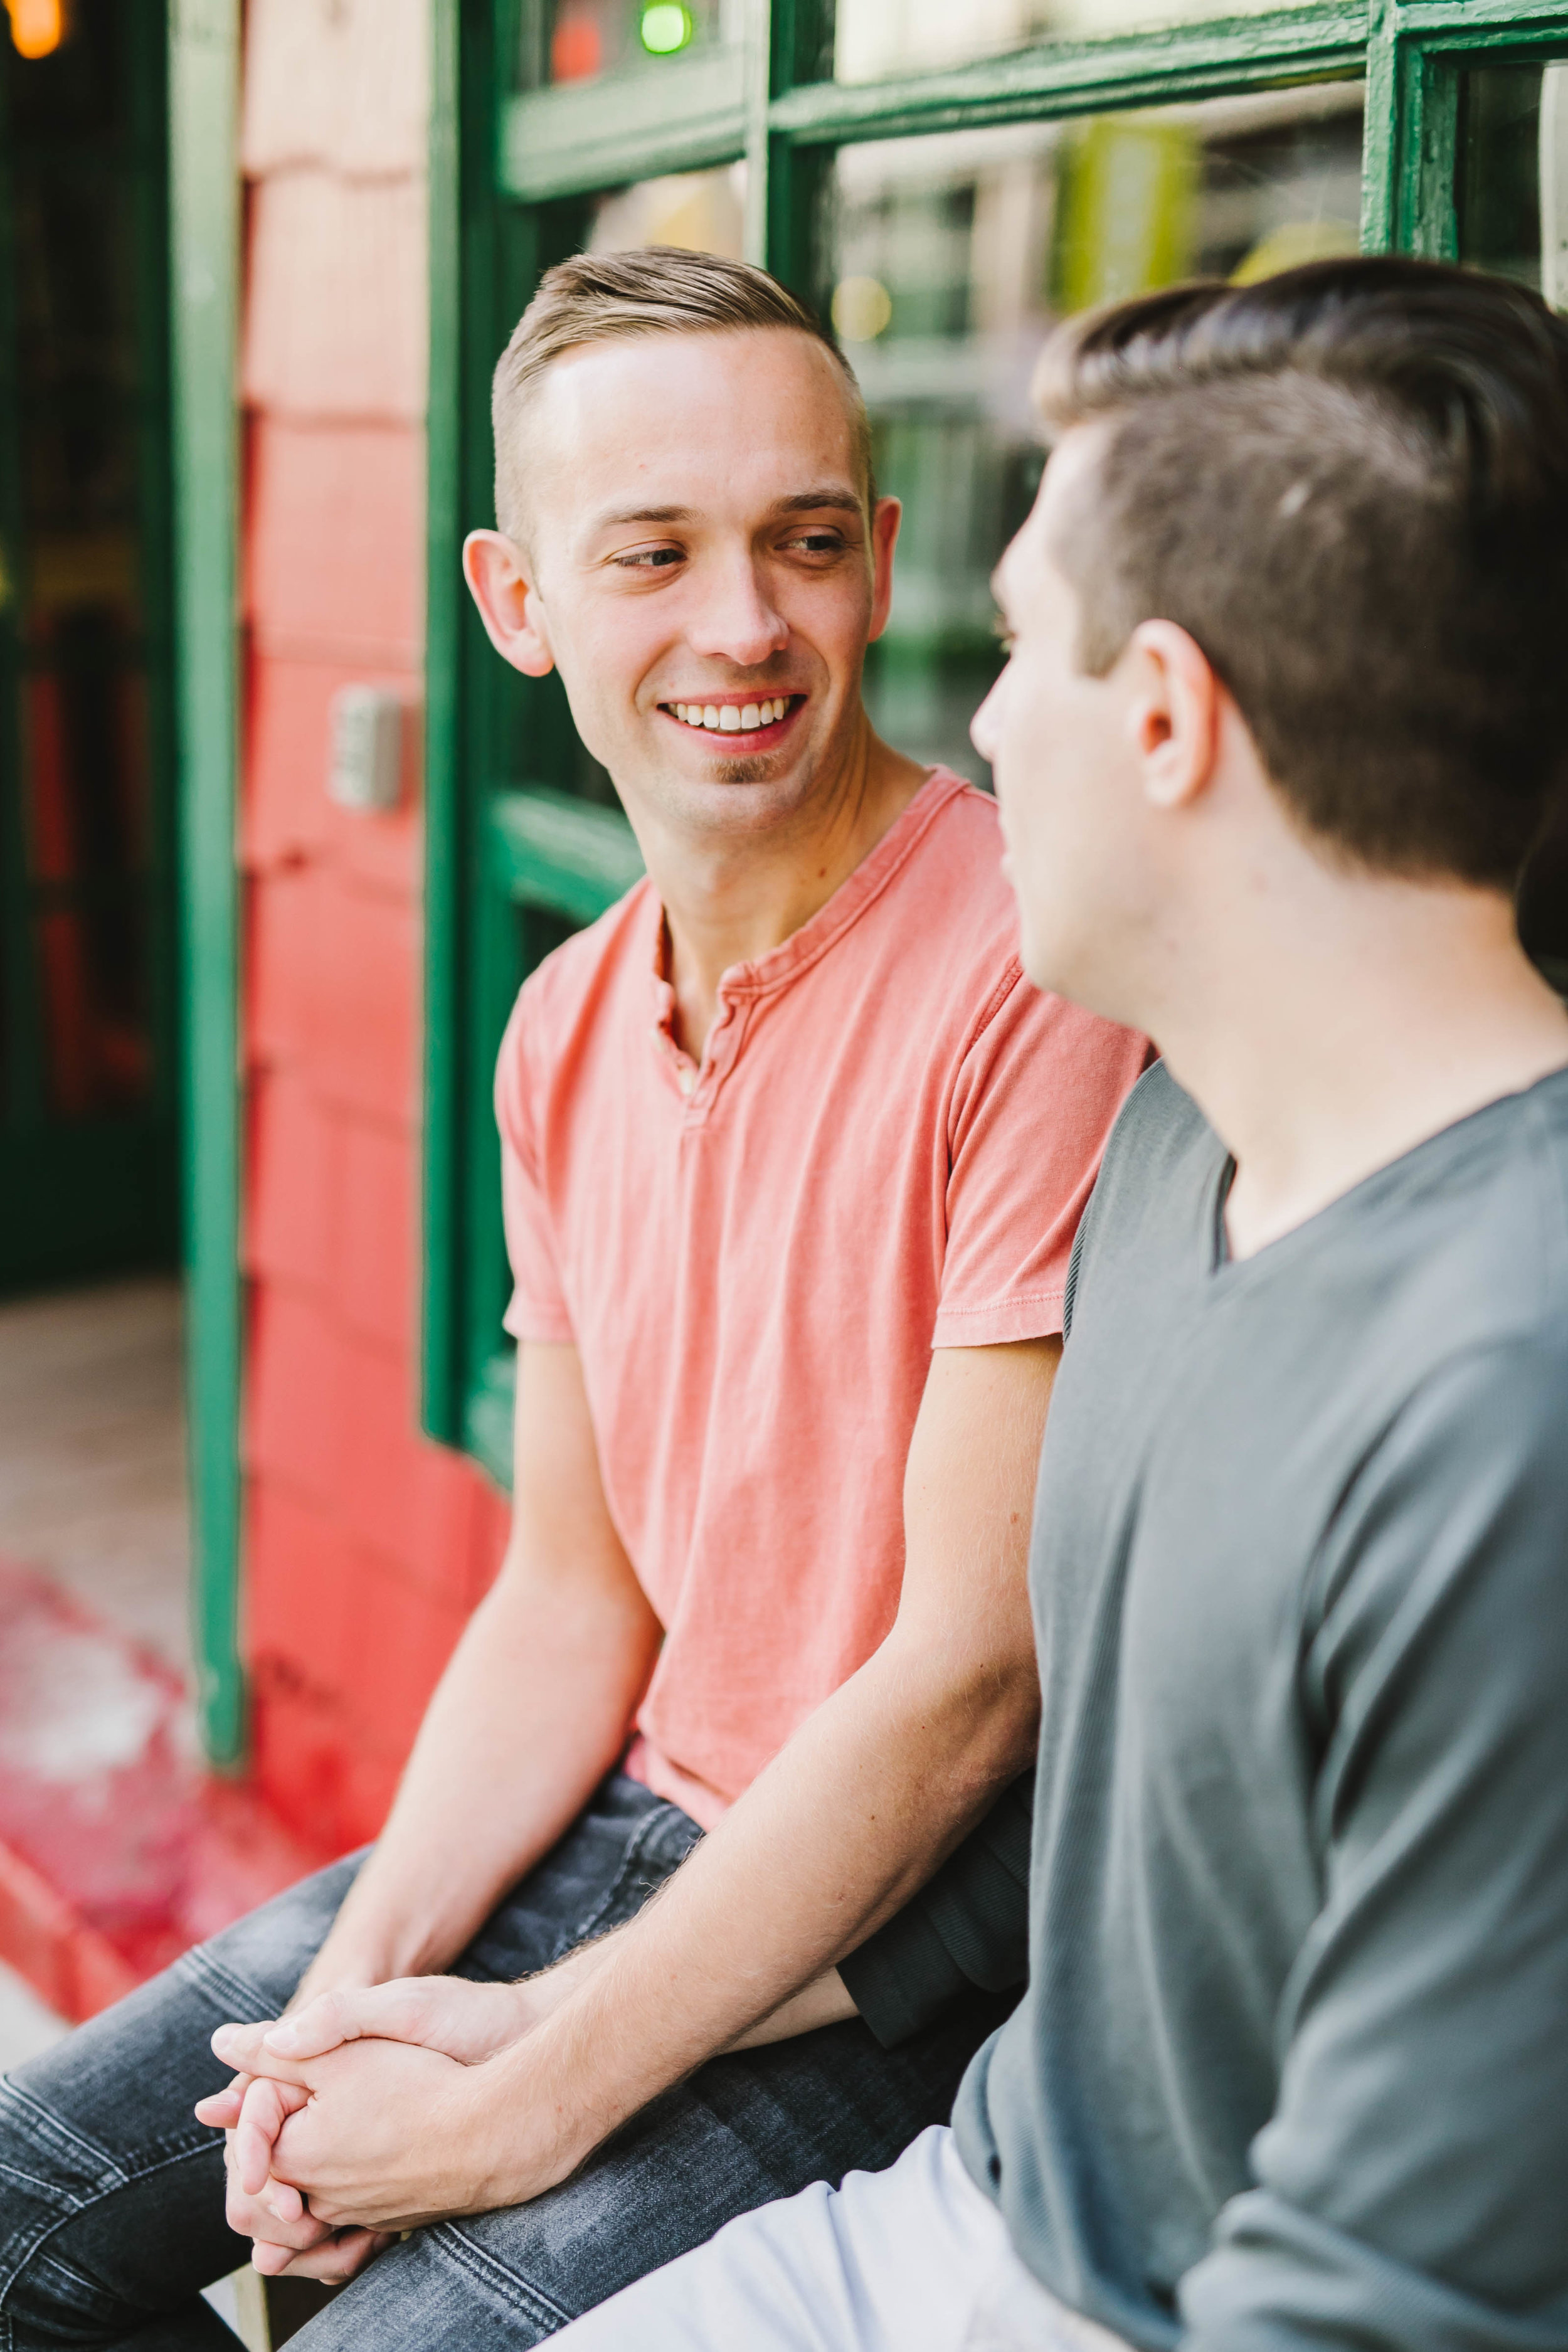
[(1285, 709)]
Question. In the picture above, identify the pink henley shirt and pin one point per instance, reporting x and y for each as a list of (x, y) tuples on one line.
[(886, 1149)]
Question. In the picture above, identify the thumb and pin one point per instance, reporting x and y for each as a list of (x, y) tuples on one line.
[(267, 2106), (323, 2024)]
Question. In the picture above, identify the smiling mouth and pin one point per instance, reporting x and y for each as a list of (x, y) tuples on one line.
[(743, 725)]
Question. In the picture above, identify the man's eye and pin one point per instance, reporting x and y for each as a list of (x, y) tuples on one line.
[(648, 559), (817, 542)]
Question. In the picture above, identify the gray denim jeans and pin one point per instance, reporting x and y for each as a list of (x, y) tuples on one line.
[(111, 2194)]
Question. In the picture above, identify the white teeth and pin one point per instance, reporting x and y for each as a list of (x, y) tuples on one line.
[(729, 719)]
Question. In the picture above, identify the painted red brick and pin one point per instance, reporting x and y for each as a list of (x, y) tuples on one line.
[(335, 315), (296, 1391), (301, 1745), (376, 1241), (408, 1639), (287, 813), (291, 1166), (410, 1500), (283, 985), (335, 547), (301, 1590), (369, 1785), (365, 1052)]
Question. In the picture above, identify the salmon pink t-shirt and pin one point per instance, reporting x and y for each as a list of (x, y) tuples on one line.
[(886, 1149)]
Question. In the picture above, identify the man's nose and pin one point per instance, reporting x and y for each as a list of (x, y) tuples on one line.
[(735, 618)]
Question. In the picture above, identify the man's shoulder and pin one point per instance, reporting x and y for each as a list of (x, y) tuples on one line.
[(612, 952)]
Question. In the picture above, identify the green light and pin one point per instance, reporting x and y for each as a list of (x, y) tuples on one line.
[(666, 27)]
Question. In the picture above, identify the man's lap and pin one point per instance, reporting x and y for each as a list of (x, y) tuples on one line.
[(112, 2195), (911, 2259)]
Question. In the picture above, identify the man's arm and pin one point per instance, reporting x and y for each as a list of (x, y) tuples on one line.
[(532, 1710), (856, 1812), (1409, 2191)]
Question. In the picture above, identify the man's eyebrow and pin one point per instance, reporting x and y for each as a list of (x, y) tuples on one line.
[(615, 515), (837, 495)]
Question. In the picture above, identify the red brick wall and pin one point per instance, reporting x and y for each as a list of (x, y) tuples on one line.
[(365, 1545)]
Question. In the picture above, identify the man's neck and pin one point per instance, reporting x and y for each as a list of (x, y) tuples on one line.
[(1397, 1010), (729, 901)]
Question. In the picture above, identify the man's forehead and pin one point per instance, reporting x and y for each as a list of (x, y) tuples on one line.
[(633, 402)]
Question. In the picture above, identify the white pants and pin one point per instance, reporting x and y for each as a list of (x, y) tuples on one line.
[(914, 2259)]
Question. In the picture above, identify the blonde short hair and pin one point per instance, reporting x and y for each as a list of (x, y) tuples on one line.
[(655, 290)]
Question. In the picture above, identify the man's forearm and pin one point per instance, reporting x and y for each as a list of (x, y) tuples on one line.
[(848, 1822), (532, 1711)]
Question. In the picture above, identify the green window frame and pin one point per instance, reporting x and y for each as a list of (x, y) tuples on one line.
[(507, 858)]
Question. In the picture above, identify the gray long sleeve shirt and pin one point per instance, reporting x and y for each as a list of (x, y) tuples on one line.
[(1293, 2066)]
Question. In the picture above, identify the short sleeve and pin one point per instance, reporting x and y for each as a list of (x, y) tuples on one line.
[(1032, 1108), (538, 1308)]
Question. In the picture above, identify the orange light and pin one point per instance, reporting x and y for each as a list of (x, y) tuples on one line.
[(38, 26)]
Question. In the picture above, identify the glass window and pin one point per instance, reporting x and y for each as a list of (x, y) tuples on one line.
[(1513, 175), (703, 211), (875, 38), (1513, 202), (580, 40), (949, 257)]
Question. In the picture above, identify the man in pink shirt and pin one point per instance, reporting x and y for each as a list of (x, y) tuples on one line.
[(793, 1157)]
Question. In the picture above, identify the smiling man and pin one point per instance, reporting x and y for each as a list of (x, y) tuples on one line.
[(794, 1155)]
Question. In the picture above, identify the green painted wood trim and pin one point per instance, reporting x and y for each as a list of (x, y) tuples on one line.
[(1186, 61), (204, 106), (1451, 25), (677, 117), (548, 849)]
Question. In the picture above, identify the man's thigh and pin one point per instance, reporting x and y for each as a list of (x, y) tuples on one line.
[(911, 2258), (746, 2130), (111, 2194)]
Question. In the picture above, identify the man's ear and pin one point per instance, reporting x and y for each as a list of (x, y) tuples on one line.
[(885, 516), (1173, 713), (493, 566)]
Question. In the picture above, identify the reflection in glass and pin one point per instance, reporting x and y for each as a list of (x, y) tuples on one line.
[(703, 211), (950, 257), (1513, 218), (875, 38), (79, 600), (580, 40), (1513, 175)]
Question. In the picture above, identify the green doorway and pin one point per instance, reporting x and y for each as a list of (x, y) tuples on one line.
[(89, 1079)]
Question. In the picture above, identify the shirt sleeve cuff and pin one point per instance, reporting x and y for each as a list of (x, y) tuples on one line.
[(1037, 1317)]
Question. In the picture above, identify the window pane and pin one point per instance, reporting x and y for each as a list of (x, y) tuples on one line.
[(580, 40), (1513, 175), (875, 38), (950, 257), (1513, 218), (703, 211)]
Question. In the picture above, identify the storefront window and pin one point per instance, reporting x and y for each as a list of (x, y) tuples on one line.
[(703, 211), (581, 40), (951, 255), (875, 39), (1513, 175)]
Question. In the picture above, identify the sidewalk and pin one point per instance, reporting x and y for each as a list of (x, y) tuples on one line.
[(117, 1849)]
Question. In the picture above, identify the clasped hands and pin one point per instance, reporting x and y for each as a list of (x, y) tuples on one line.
[(367, 2112)]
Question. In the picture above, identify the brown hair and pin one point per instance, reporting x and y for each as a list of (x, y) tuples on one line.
[(1350, 484), (655, 290)]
